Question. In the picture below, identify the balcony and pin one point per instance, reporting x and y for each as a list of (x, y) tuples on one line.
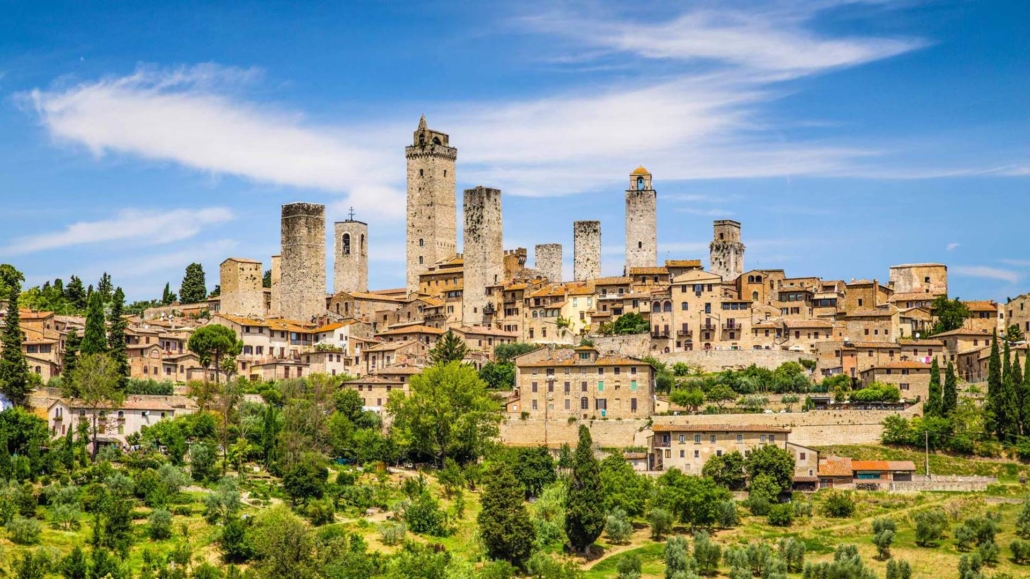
[(663, 444), (684, 333), (731, 325), (660, 335)]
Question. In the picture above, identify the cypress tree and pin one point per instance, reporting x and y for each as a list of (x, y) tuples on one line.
[(1025, 389), (994, 388), (504, 523), (1006, 361), (194, 286), (71, 353), (116, 337), (75, 293), (1019, 391), (949, 402), (94, 337), (1008, 401), (934, 405), (584, 507), (14, 370), (450, 348)]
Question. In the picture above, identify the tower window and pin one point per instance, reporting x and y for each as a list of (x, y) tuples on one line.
[(421, 242), (640, 245), (640, 183), (445, 172), (722, 236), (420, 173), (346, 243), (361, 248), (420, 260)]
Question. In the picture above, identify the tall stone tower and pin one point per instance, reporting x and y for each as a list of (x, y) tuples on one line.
[(350, 261), (548, 261), (302, 283), (641, 221), (242, 292), (484, 251), (276, 307), (587, 250), (727, 252), (432, 198)]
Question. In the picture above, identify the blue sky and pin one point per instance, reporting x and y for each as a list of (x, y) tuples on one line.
[(845, 135)]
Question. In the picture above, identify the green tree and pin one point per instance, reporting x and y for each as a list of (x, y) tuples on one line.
[(116, 336), (498, 376), (994, 390), (949, 400), (213, 342), (774, 462), (504, 524), (14, 370), (584, 511), (694, 500), (726, 470), (71, 352), (950, 314), (104, 286), (266, 279), (1008, 403), (631, 323), (707, 554), (678, 563), (75, 293), (689, 398), (1013, 334), (1023, 521), (94, 337), (449, 348), (168, 297), (623, 487), (306, 479), (282, 543), (930, 527), (194, 286), (934, 405), (95, 384), (506, 353), (720, 395), (534, 469), (447, 413)]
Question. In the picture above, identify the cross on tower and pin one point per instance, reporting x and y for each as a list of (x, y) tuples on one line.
[(351, 218)]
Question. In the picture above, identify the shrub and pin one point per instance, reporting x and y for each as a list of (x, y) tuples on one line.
[(989, 552), (930, 527), (899, 570), (839, 505), (159, 525), (726, 514), (802, 508), (618, 527), (392, 533), (660, 521), (706, 554), (781, 515), (629, 567), (883, 541), (424, 517), (321, 511), (792, 551), (24, 531), (1020, 551), (677, 558)]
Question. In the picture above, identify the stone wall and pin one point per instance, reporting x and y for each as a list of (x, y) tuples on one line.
[(350, 261), (548, 261), (726, 252), (242, 291), (484, 251), (911, 278), (432, 203), (639, 345), (587, 249), (641, 228), (303, 287)]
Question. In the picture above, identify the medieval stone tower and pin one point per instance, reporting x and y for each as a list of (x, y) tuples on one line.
[(432, 194), (727, 252), (587, 250), (641, 221), (548, 261), (242, 291), (484, 251), (302, 283), (276, 307), (350, 260)]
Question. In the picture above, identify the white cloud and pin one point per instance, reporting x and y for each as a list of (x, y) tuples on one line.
[(1016, 262), (986, 272), (139, 226), (952, 246)]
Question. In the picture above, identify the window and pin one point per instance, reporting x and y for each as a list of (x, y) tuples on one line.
[(683, 438), (534, 386), (567, 402), (740, 438), (697, 439), (632, 404), (803, 456), (711, 438), (534, 405), (583, 386), (697, 454), (600, 385), (772, 438), (600, 404), (762, 438), (584, 404), (633, 386)]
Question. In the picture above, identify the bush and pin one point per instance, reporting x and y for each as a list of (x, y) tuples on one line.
[(660, 521), (883, 541), (802, 508), (781, 515), (899, 570), (321, 511), (930, 527), (159, 525), (839, 505), (628, 567), (1020, 551), (392, 533), (792, 551), (726, 514), (706, 554), (618, 527), (989, 552), (424, 517), (24, 531)]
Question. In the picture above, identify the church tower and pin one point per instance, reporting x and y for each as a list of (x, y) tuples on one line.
[(432, 202), (641, 221), (350, 261)]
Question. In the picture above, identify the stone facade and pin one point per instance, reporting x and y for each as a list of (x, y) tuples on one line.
[(350, 263), (587, 235), (242, 291), (303, 288), (484, 251), (276, 307), (919, 278), (641, 221), (548, 261), (432, 197), (726, 250)]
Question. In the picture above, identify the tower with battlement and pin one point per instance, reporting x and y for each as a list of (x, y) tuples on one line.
[(350, 260), (641, 221), (548, 261), (302, 279), (484, 254), (432, 211), (726, 250), (587, 250)]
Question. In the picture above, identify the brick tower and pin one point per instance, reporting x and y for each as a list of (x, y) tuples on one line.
[(350, 260), (641, 221), (726, 250), (548, 261), (302, 282), (432, 198), (587, 250), (484, 251), (242, 291)]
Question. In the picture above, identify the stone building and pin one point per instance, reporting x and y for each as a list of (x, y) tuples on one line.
[(302, 285), (242, 291), (548, 261), (587, 249), (919, 278), (350, 263), (432, 198), (1017, 313), (484, 251), (688, 446), (726, 250), (276, 307), (641, 221)]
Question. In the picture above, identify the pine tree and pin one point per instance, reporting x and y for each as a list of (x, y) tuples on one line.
[(504, 524), (166, 297), (584, 507), (994, 388), (194, 287), (75, 293), (1006, 361), (116, 336), (71, 352), (94, 337), (450, 348), (949, 402), (934, 405), (14, 370), (105, 287)]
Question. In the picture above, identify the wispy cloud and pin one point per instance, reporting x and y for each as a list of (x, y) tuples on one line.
[(140, 226), (986, 272), (952, 246), (1016, 262)]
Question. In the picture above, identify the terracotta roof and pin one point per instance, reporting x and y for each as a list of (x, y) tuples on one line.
[(242, 321), (241, 260), (981, 306), (571, 361), (388, 346), (901, 365), (963, 332), (417, 329), (399, 370), (682, 263), (718, 428), (374, 379), (866, 465), (137, 402), (336, 326), (901, 465), (912, 296), (617, 280), (648, 271), (376, 297), (807, 324), (904, 342), (835, 466), (485, 331), (871, 313)]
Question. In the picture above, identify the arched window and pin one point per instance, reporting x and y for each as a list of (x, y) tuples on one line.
[(751, 279), (667, 307), (436, 140), (640, 183), (640, 245), (421, 141), (754, 296), (656, 308), (420, 260), (361, 248), (421, 173), (758, 278), (346, 243), (421, 242)]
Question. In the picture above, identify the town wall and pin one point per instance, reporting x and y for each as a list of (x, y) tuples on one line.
[(548, 261), (350, 262), (484, 251), (303, 287), (587, 249)]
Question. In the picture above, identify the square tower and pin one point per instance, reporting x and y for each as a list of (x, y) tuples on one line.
[(548, 261), (484, 252), (432, 234), (641, 221), (586, 250), (350, 262), (726, 251), (242, 291), (302, 284)]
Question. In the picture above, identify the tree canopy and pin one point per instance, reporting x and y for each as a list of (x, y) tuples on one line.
[(449, 348), (194, 286), (14, 370), (212, 343)]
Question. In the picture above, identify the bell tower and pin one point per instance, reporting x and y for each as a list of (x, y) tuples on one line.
[(641, 221), (432, 233)]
